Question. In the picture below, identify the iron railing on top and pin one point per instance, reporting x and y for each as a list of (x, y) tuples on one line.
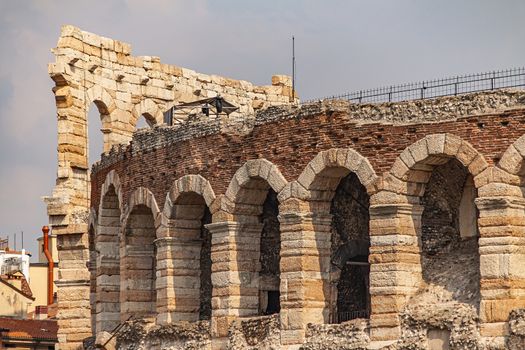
[(350, 315), (510, 78)]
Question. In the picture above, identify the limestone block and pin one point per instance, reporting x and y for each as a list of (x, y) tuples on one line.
[(452, 144), (511, 161), (419, 150), (436, 144), (466, 153)]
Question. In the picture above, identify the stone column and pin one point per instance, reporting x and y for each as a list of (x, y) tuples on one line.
[(235, 260), (305, 269), (395, 265), (178, 279), (502, 261), (73, 290)]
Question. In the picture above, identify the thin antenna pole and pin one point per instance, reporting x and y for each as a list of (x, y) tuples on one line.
[(22, 239), (15, 240), (293, 68)]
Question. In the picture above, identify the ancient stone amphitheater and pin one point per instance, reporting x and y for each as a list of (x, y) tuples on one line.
[(328, 225)]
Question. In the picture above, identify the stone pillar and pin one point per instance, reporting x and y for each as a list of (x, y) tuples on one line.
[(73, 290), (305, 269), (178, 279), (107, 303), (235, 264), (502, 261), (395, 265)]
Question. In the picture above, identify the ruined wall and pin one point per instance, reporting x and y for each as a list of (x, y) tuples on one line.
[(256, 333), (287, 136), (140, 335), (94, 70), (303, 154)]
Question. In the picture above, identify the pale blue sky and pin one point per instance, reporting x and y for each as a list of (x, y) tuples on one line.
[(340, 46)]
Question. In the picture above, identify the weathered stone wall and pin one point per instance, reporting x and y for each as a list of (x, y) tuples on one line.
[(257, 333), (305, 155), (353, 335), (140, 335), (440, 218)]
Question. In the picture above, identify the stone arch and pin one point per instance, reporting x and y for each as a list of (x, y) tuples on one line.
[(416, 215), (189, 184), (138, 257), (414, 165), (107, 109), (251, 199), (249, 183), (321, 176), (112, 179), (107, 246), (143, 196), (184, 252), (512, 159), (337, 183), (150, 110), (102, 99)]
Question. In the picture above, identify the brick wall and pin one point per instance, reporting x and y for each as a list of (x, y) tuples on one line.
[(290, 144)]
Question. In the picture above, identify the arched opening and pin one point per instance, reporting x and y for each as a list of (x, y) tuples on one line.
[(449, 234), (107, 303), (189, 252), (184, 285), (349, 251), (258, 242), (145, 121), (95, 136), (138, 267), (270, 248), (337, 184)]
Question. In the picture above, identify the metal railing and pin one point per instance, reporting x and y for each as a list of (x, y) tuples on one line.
[(350, 315), (510, 78)]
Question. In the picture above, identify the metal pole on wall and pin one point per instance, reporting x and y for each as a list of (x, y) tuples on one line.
[(293, 68)]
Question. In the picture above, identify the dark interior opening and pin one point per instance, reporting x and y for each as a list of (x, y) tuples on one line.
[(350, 249), (274, 305), (270, 255), (205, 265)]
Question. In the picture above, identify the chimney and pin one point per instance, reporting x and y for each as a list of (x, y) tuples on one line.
[(50, 266)]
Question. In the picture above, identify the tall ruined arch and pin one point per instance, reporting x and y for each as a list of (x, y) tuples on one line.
[(184, 252), (107, 246), (105, 105), (336, 184), (149, 110), (138, 262), (252, 197)]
